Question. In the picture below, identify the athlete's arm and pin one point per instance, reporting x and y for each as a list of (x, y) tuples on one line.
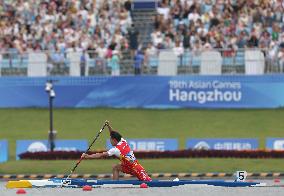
[(95, 156), (110, 129)]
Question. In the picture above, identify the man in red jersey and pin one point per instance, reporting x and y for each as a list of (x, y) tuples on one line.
[(128, 163)]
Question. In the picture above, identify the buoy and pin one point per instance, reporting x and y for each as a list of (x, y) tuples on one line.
[(176, 180), (277, 180), (143, 185), (21, 191), (87, 188)]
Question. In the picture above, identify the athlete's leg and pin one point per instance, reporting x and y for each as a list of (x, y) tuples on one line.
[(127, 170), (115, 171), (141, 173)]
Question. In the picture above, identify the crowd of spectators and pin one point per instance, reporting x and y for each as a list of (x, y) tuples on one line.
[(103, 28), (198, 25), (60, 26)]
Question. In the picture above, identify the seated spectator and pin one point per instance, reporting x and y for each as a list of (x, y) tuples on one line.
[(168, 43), (178, 49), (197, 48), (253, 42), (193, 16), (57, 58), (158, 40), (101, 50), (151, 53), (164, 10), (207, 46), (229, 51)]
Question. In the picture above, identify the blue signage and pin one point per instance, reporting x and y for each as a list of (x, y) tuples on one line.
[(222, 144), (275, 143), (264, 91), (42, 146), (3, 151), (150, 144)]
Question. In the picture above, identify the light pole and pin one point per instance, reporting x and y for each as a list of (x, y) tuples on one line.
[(51, 96)]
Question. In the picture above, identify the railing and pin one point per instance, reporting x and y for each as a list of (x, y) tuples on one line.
[(164, 62)]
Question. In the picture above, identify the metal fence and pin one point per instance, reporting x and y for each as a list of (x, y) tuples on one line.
[(163, 62)]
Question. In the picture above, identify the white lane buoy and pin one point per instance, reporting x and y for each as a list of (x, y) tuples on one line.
[(176, 180)]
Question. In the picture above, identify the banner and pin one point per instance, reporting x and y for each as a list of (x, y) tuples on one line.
[(150, 144), (222, 144), (275, 143), (3, 151), (147, 92), (42, 145)]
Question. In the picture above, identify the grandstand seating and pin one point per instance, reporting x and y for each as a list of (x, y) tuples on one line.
[(209, 22)]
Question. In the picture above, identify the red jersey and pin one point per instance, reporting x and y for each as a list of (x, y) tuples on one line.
[(129, 163)]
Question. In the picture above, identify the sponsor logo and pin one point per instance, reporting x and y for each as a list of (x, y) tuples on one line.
[(222, 144), (42, 146), (202, 146), (278, 145), (37, 147), (147, 145), (275, 143), (150, 144)]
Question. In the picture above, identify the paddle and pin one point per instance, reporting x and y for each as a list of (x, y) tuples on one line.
[(74, 168)]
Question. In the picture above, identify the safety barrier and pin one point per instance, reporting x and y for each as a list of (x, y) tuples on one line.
[(162, 62)]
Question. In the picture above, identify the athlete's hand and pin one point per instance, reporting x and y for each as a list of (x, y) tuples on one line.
[(84, 156), (107, 123)]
